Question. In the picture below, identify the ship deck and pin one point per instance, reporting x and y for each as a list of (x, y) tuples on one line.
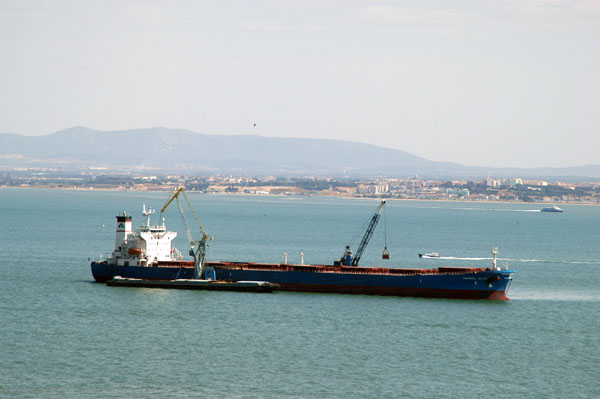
[(342, 269)]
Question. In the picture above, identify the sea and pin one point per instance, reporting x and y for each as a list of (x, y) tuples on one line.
[(64, 336)]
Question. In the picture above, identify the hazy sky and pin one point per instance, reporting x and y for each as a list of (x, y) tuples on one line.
[(482, 82)]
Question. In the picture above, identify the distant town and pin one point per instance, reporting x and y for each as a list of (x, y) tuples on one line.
[(487, 189)]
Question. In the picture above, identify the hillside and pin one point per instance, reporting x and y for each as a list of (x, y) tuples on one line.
[(184, 151)]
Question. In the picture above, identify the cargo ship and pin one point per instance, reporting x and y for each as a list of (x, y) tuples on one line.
[(147, 253)]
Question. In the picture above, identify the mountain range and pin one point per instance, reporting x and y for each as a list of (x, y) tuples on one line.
[(184, 151)]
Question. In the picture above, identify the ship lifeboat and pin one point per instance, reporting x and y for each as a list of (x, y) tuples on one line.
[(135, 251)]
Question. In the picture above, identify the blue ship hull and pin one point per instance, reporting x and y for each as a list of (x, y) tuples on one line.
[(458, 283)]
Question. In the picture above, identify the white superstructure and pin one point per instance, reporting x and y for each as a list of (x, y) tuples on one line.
[(146, 245)]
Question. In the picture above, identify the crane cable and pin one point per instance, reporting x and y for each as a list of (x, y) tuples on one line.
[(385, 227), (188, 233), (205, 235), (385, 254)]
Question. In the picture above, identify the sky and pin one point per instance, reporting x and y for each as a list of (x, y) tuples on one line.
[(500, 83)]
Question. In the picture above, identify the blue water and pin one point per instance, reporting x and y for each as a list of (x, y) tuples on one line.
[(63, 336)]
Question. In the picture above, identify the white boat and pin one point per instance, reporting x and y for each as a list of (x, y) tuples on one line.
[(551, 209), (430, 255)]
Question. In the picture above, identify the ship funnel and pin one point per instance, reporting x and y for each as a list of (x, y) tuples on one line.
[(124, 228)]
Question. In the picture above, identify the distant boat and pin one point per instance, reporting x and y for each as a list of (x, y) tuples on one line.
[(430, 255), (551, 209)]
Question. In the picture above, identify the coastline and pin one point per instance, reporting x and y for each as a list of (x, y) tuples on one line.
[(329, 194)]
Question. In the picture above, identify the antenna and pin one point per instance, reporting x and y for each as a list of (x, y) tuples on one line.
[(146, 213)]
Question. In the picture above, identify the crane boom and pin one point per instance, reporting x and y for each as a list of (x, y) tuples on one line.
[(173, 195), (347, 258), (365, 240), (197, 248)]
